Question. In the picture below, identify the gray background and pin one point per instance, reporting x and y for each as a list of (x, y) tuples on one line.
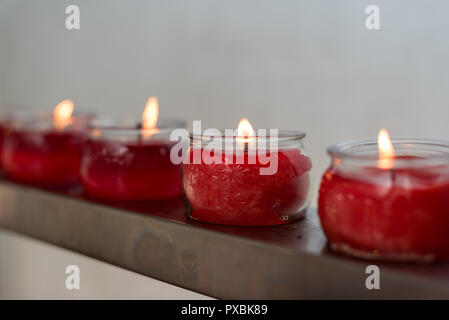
[(302, 65)]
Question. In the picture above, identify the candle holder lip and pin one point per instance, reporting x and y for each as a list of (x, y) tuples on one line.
[(283, 136), (9, 111), (128, 124), (6, 116), (43, 120), (129, 129), (33, 115), (409, 152)]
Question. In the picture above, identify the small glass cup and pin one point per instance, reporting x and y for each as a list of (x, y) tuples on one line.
[(397, 212), (122, 162), (264, 181), (7, 114), (5, 120), (36, 151)]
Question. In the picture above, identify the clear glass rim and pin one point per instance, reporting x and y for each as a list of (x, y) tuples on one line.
[(283, 136), (129, 129), (427, 152), (43, 120), (8, 111), (33, 115), (132, 125)]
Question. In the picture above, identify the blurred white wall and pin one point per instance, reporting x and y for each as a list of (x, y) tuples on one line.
[(290, 64)]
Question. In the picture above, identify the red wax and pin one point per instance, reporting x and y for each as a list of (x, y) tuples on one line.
[(400, 214), (236, 194), (130, 171), (48, 158)]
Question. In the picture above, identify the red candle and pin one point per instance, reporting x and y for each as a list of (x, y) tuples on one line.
[(42, 150), (238, 194), (392, 209), (131, 163), (130, 171)]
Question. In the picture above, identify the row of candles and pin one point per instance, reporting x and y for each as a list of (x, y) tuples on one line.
[(379, 199)]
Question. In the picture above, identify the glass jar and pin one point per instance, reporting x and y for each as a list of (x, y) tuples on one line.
[(228, 180), (399, 212), (5, 120), (122, 162), (7, 114), (36, 151)]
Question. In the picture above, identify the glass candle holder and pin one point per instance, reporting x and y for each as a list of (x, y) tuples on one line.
[(122, 162), (5, 121), (399, 213), (232, 192), (37, 151), (7, 114)]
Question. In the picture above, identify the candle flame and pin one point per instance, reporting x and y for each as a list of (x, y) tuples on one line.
[(386, 150), (62, 115), (245, 129), (244, 132), (149, 117)]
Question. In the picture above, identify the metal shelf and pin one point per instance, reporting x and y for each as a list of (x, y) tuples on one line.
[(158, 240)]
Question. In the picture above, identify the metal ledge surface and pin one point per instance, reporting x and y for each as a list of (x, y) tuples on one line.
[(158, 240)]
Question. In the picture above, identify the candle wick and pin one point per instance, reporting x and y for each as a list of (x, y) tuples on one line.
[(393, 176), (139, 135)]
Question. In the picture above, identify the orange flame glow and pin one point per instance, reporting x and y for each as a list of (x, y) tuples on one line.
[(245, 129), (386, 150), (62, 115), (149, 117)]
